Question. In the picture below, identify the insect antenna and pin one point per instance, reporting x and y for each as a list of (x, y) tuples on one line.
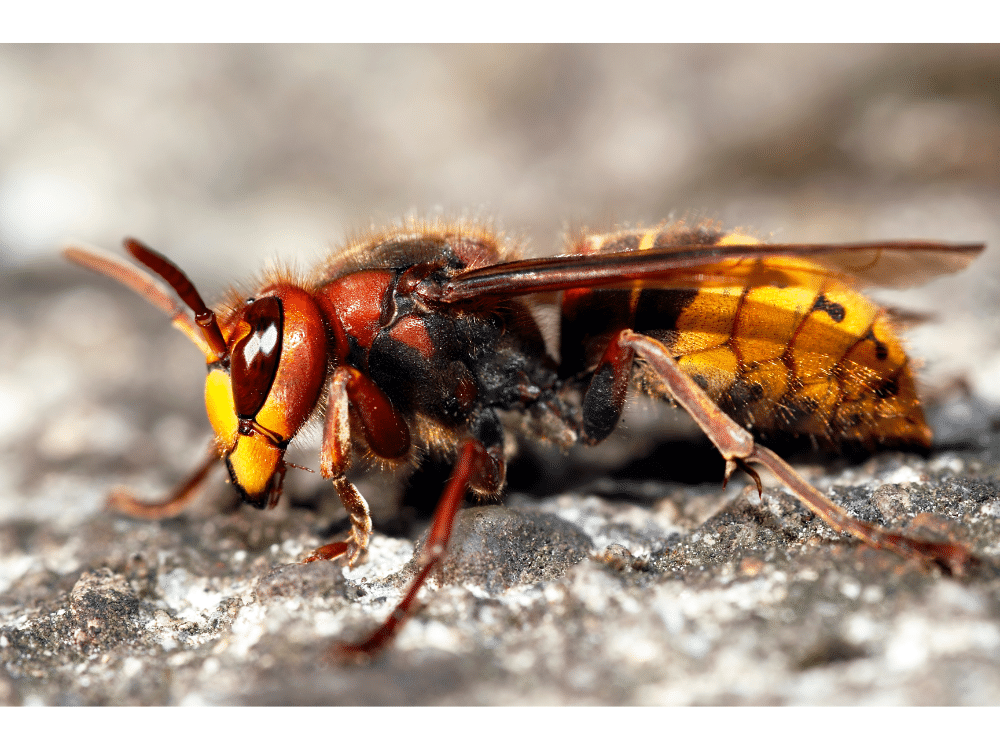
[(151, 290), (181, 284)]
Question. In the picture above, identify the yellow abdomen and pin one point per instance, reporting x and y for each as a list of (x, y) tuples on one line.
[(809, 356), (785, 346)]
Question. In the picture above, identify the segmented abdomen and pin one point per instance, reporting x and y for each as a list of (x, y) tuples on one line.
[(780, 343)]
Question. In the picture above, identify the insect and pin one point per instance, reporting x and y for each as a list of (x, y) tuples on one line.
[(418, 339)]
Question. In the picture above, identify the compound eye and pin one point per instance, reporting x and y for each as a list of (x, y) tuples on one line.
[(255, 356)]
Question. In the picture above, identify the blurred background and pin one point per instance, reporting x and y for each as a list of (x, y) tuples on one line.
[(224, 157)]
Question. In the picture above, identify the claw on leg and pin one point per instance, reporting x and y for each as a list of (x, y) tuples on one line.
[(954, 558), (733, 464), (738, 447), (327, 552), (356, 544)]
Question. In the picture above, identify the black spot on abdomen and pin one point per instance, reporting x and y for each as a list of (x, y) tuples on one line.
[(834, 309)]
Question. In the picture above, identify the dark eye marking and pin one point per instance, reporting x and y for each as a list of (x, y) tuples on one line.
[(255, 357)]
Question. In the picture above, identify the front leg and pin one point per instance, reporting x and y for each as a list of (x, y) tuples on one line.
[(386, 433), (737, 447)]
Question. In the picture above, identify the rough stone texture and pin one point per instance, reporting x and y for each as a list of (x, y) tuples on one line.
[(619, 575)]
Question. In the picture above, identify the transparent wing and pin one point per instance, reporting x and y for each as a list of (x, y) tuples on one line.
[(896, 265)]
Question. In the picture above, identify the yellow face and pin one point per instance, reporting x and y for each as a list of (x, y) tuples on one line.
[(269, 384), (254, 458), (222, 409)]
